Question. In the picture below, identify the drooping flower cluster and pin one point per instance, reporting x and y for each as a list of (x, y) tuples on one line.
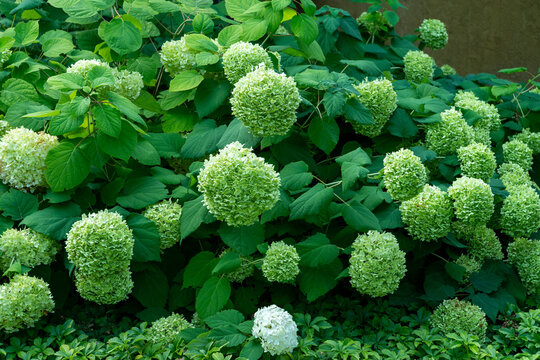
[(241, 273), (404, 174), (428, 215), (22, 158), (4, 56), (490, 119), (166, 329), (524, 254), (473, 200), (471, 265), (447, 70), (26, 246), (166, 216), (513, 175), (176, 56), (127, 83), (380, 98), (276, 330), (265, 102), (238, 186), (448, 135), (373, 22), (419, 66), (280, 263), (532, 139), (477, 161), (520, 213), (433, 33), (23, 301), (377, 264), (482, 241), (242, 58), (83, 67), (101, 246), (456, 316), (517, 152)]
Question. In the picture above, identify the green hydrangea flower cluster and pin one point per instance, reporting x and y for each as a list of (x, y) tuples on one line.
[(419, 66), (4, 128), (433, 33), (373, 22), (26, 246), (447, 70), (490, 121), (377, 264), (455, 316), (4, 56), (482, 241), (517, 152), (471, 265), (101, 246), (243, 272), (127, 83), (166, 216), (532, 139), (404, 174), (380, 98), (473, 200), (280, 263), (23, 301), (524, 254), (520, 212), (513, 175), (176, 56), (428, 215), (22, 158), (448, 135), (242, 58), (266, 102), (166, 329), (83, 67), (238, 186), (477, 161)]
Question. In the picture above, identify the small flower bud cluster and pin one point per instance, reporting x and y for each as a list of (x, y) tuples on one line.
[(419, 66), (455, 316), (127, 83), (176, 56), (166, 329), (532, 139), (377, 264), (473, 200), (404, 174), (373, 22), (242, 58), (26, 246), (83, 67), (280, 263), (520, 213), (243, 272), (447, 70), (448, 135), (490, 119), (238, 186), (276, 330), (524, 254), (517, 152), (433, 33), (477, 161), (166, 216)]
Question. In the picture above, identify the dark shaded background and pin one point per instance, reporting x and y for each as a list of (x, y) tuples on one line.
[(484, 35)]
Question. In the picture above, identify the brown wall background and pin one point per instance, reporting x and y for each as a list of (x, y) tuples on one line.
[(484, 35)]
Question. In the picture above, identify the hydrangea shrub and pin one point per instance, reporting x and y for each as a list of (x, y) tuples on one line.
[(404, 174), (455, 316), (473, 200), (280, 263), (433, 33)]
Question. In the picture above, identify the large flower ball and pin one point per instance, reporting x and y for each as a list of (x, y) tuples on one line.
[(473, 200), (448, 135), (520, 213), (83, 67), (532, 139), (166, 216), (524, 254), (404, 174), (27, 247), (266, 102), (483, 243), (433, 33), (477, 161), (22, 158), (373, 22), (428, 215), (176, 56), (127, 83), (242, 58), (419, 66), (280, 263), (490, 119), (23, 301), (512, 176), (380, 98), (166, 329), (276, 330), (238, 186), (109, 288), (455, 316), (517, 152), (377, 264)]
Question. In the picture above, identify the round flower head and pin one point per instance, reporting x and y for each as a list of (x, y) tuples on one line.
[(471, 265), (473, 200), (373, 22), (276, 330), (22, 158), (4, 56), (166, 329), (448, 135), (532, 139), (379, 97), (477, 161), (99, 244), (242, 58), (524, 254), (238, 186), (265, 102), (377, 264), (428, 215), (418, 66), (517, 152), (447, 70), (520, 213), (513, 175), (280, 263), (166, 216), (483, 243), (23, 301), (481, 136), (82, 67), (243, 272), (433, 33), (404, 174), (127, 83), (176, 56), (455, 316), (27, 247), (4, 128), (109, 288), (490, 119)]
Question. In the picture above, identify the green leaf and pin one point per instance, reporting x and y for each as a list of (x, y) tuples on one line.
[(502, 90), (186, 80), (230, 35), (486, 280), (15, 115), (194, 213), (237, 132), (145, 153), (54, 45), (237, 8), (356, 112), (26, 33), (311, 202), (79, 106), (359, 217), (316, 250), (254, 29), (67, 166), (65, 121), (366, 66), (202, 23), (179, 119), (126, 107), (121, 147), (243, 239), (224, 318), (392, 17), (357, 156), (252, 350), (199, 269), (5, 224), (206, 58), (455, 271), (350, 173), (210, 95), (54, 221), (333, 103), (513, 70), (200, 42), (213, 296), (122, 36), (487, 303), (315, 282), (17, 91), (400, 124), (140, 192), (66, 82), (295, 176), (100, 76), (151, 286), (202, 140), (324, 132), (280, 4), (167, 145), (145, 233), (108, 120), (18, 205), (228, 262), (304, 27)]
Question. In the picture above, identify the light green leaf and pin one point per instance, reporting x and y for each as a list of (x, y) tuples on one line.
[(228, 262), (213, 296), (295, 176), (26, 33), (67, 166), (17, 91), (304, 27), (186, 80), (18, 205), (54, 221), (230, 35), (200, 42), (122, 36), (140, 192)]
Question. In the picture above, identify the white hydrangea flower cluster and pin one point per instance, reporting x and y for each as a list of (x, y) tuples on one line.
[(238, 186), (4, 56), (23, 301), (477, 161), (447, 70), (517, 152), (127, 83), (373, 22), (404, 174), (524, 254), (243, 272), (512, 176), (22, 158), (380, 98), (490, 121), (454, 316), (428, 215), (419, 66), (473, 200), (448, 135), (166, 329), (280, 263), (83, 67), (4, 128), (532, 139), (242, 58), (377, 264), (176, 56), (520, 212), (101, 246), (166, 216), (265, 102), (276, 330), (26, 246), (433, 33)]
